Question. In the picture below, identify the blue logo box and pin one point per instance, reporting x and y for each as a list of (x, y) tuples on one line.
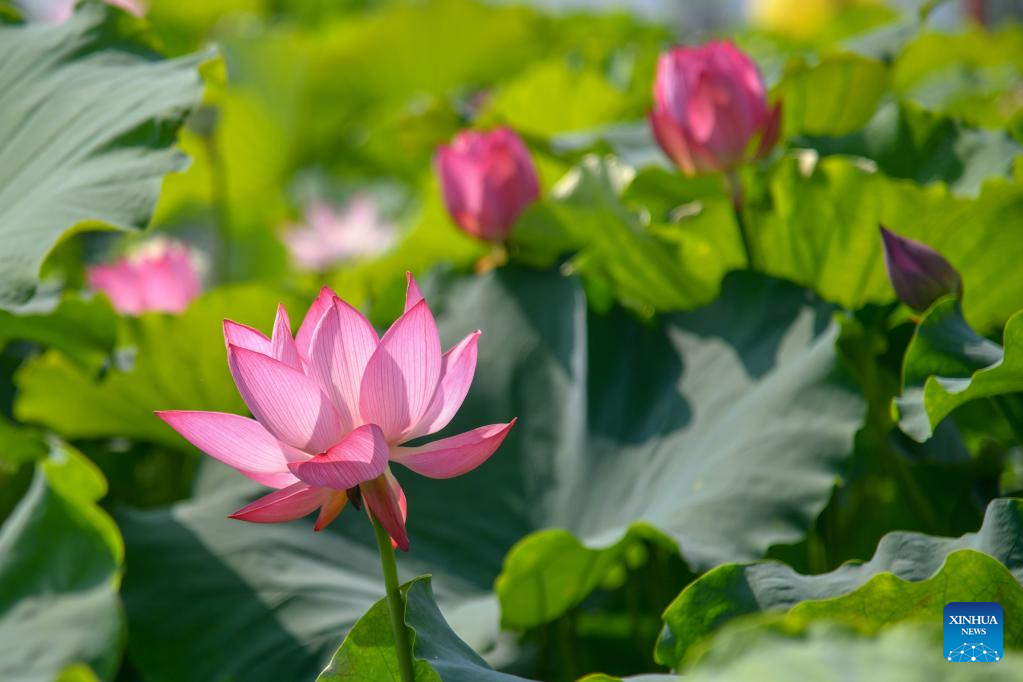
[(973, 632)]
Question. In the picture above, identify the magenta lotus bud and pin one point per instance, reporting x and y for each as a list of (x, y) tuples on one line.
[(918, 273), (488, 180), (710, 108)]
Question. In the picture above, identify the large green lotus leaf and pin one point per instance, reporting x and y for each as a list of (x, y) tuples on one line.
[(720, 431), (60, 568), (552, 97), (947, 364), (819, 227), (649, 267), (972, 74), (173, 362), (86, 133), (905, 565), (367, 653), (826, 652), (816, 99), (909, 142)]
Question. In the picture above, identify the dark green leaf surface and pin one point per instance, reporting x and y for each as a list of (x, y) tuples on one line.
[(87, 124), (60, 568), (624, 430), (909, 572), (948, 364), (908, 142)]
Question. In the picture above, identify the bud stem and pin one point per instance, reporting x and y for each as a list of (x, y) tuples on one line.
[(733, 185), (395, 603)]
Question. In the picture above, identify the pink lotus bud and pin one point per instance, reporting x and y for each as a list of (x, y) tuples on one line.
[(329, 236), (160, 275), (918, 273), (488, 180), (710, 108)]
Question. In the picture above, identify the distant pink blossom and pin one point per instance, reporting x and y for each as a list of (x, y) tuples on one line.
[(710, 110), (334, 405), (488, 179), (329, 236), (59, 11), (159, 276)]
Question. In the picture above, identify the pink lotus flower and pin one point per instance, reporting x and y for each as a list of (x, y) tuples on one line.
[(329, 237), (488, 180), (160, 276), (335, 404), (710, 108), (59, 11)]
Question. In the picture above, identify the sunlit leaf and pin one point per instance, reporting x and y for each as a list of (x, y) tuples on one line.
[(87, 126)]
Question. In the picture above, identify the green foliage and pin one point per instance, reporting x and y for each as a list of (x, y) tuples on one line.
[(818, 225), (86, 136), (909, 576), (675, 416), (83, 330), (816, 100), (165, 362), (948, 365), (60, 568), (368, 651), (832, 653)]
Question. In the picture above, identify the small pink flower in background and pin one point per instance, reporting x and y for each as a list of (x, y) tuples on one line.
[(710, 108), (488, 179), (159, 276), (329, 236), (59, 11), (335, 404)]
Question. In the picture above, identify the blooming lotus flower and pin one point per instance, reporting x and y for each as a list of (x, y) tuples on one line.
[(710, 108), (488, 179), (161, 275), (335, 404), (918, 273), (329, 237), (59, 11)]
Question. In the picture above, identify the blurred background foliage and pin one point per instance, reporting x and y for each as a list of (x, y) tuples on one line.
[(631, 474)]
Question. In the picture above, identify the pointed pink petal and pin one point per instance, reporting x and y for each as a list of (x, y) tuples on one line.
[(291, 503), (238, 442), (245, 336), (384, 499), (282, 345), (360, 456), (412, 293), (286, 402), (771, 132), (330, 510), (341, 347), (312, 318), (457, 369), (402, 502), (402, 375), (456, 455)]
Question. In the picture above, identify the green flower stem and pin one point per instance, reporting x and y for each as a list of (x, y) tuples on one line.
[(395, 603), (733, 185)]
